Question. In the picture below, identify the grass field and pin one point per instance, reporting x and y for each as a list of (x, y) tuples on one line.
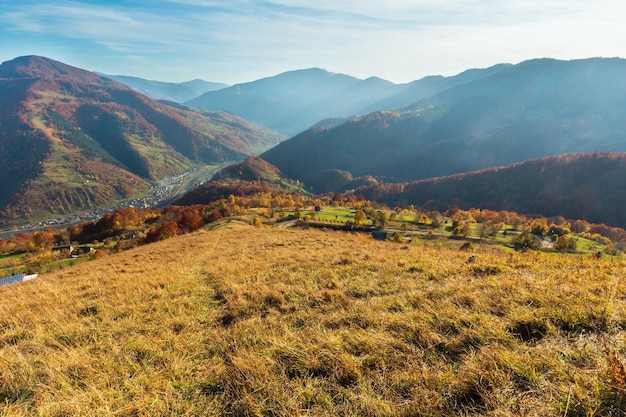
[(245, 321)]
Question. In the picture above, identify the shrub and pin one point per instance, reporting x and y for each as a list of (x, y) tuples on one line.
[(166, 230), (565, 244)]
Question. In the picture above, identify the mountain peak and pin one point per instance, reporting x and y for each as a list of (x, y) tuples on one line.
[(303, 76), (33, 66), (313, 70)]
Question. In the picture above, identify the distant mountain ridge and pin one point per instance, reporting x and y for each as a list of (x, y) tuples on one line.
[(406, 94), (158, 90), (533, 109), (580, 186), (73, 140), (282, 102), (296, 100)]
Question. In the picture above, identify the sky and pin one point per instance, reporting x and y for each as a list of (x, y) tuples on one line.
[(235, 41)]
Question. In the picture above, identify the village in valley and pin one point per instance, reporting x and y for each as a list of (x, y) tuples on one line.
[(48, 249)]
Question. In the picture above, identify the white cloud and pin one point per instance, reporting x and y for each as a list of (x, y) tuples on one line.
[(118, 47), (20, 22), (400, 40)]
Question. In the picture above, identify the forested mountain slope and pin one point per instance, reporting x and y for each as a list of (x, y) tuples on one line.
[(536, 108), (576, 186), (72, 139)]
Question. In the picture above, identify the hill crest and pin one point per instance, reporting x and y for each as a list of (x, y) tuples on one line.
[(293, 101), (33, 66)]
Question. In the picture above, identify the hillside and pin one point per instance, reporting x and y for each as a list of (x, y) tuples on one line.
[(536, 108), (575, 186), (249, 177), (251, 169), (158, 90), (256, 321), (406, 94), (74, 140)]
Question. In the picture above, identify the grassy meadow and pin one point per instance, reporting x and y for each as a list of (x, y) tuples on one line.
[(247, 321)]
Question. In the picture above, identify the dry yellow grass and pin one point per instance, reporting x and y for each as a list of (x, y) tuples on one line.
[(278, 322)]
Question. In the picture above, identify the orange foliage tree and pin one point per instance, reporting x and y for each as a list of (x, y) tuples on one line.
[(166, 230)]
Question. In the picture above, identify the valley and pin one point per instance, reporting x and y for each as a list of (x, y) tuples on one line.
[(158, 195), (448, 246), (85, 142)]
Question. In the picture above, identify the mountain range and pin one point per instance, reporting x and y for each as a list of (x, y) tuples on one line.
[(536, 108), (587, 186), (296, 100), (158, 90), (73, 140)]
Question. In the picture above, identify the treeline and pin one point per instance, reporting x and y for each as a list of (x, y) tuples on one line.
[(557, 227), (576, 186), (132, 226)]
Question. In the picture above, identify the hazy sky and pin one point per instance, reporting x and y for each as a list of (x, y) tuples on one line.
[(235, 41)]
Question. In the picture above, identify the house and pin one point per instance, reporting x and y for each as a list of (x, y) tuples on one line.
[(63, 250), (81, 250)]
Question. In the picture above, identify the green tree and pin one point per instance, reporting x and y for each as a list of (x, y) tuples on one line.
[(539, 227), (565, 244), (380, 219), (527, 239), (360, 217), (462, 229)]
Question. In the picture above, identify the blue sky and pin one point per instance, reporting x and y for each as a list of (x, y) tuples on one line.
[(235, 41)]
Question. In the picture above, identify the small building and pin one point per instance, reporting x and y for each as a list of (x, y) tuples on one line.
[(81, 250), (17, 278), (379, 234), (63, 250)]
